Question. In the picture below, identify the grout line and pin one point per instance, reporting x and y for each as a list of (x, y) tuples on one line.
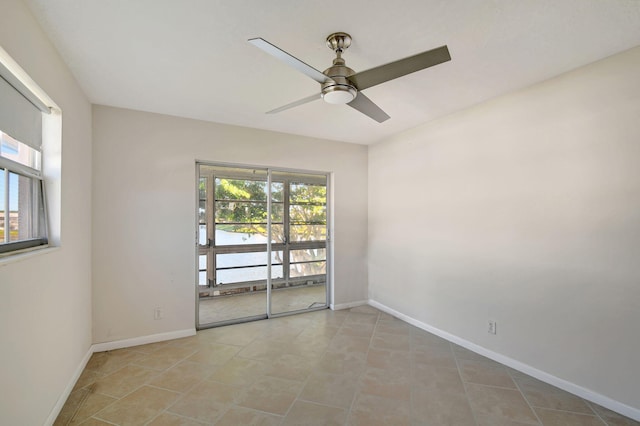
[(102, 420), (357, 391), (464, 384), (311, 373), (590, 405), (525, 398)]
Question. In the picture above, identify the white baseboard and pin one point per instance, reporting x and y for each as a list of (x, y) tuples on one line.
[(578, 390), (108, 346), (348, 305), (67, 390), (142, 340)]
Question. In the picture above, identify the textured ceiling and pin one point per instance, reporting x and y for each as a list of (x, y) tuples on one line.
[(191, 58)]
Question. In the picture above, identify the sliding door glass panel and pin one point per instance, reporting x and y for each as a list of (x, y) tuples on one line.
[(305, 224), (235, 204)]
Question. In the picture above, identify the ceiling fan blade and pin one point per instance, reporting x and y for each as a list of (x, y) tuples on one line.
[(288, 59), (377, 75), (368, 108), (296, 103)]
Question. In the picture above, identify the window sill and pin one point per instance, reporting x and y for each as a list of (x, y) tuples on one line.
[(28, 253)]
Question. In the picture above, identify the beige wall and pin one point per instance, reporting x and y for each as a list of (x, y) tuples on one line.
[(524, 210), (45, 299), (144, 212)]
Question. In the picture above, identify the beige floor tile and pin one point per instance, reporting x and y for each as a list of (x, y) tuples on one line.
[(183, 376), (388, 359), (564, 418), (214, 354), (87, 378), (270, 394), (95, 422), (281, 332), (392, 384), (465, 354), (317, 332), (487, 420), (261, 349), (365, 309), (195, 342), (613, 418), (298, 320), (357, 329), (393, 327), (291, 367), (92, 404), (435, 408), (484, 373), (329, 389), (370, 410), (75, 400), (110, 361), (397, 342), (237, 416), (349, 344), (123, 381), (150, 348), (543, 395), (304, 413), (436, 357), (238, 335), (168, 419), (328, 317), (206, 401), (344, 363), (165, 357), (387, 317), (360, 318), (311, 350), (500, 402), (138, 407), (437, 379), (239, 372), (426, 341)]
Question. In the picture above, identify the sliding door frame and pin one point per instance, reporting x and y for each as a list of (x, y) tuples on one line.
[(269, 287)]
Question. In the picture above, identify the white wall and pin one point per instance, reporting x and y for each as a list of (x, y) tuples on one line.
[(525, 210), (144, 212), (45, 299)]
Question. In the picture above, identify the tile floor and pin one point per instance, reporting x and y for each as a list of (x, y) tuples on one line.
[(352, 367)]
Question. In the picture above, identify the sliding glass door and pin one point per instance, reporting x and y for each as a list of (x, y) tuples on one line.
[(262, 243)]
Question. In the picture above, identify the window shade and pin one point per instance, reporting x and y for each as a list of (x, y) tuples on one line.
[(19, 118)]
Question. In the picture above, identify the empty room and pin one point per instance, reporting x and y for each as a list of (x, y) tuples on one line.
[(306, 213)]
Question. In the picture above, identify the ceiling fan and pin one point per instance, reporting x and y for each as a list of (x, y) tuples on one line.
[(341, 85)]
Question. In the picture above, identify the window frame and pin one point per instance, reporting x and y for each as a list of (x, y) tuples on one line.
[(39, 210)]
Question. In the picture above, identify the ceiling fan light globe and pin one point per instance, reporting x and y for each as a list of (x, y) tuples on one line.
[(339, 95)]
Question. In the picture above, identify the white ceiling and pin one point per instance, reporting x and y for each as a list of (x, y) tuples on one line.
[(191, 58)]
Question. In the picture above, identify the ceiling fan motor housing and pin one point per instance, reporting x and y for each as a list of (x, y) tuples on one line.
[(339, 89)]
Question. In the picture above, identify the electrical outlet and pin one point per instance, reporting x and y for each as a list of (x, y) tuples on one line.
[(492, 327), (157, 313)]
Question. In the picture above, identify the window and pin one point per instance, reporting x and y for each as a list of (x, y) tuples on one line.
[(23, 218), (22, 208)]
